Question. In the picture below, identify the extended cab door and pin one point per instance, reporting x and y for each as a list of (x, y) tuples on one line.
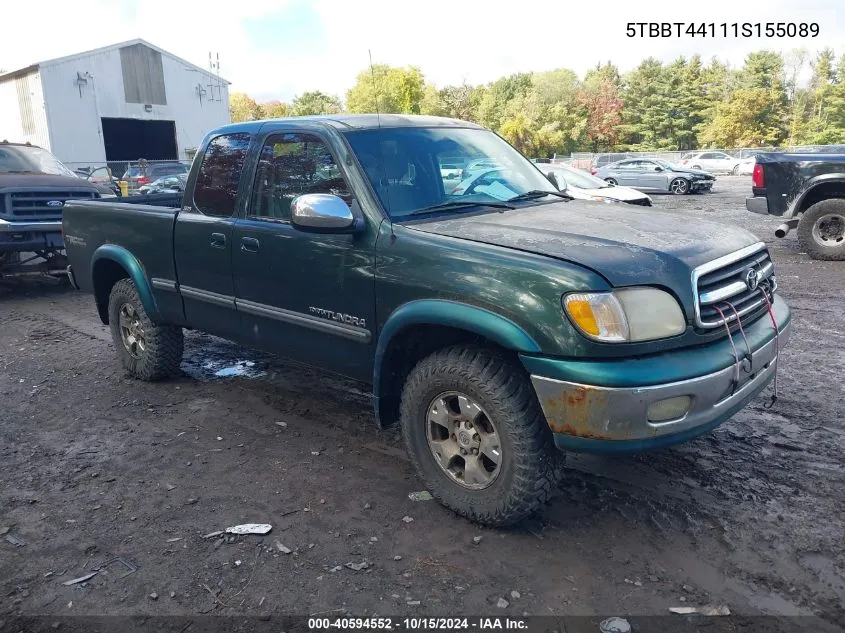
[(202, 240), (306, 296)]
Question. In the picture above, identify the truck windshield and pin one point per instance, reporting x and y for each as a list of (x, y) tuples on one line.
[(24, 159), (415, 168)]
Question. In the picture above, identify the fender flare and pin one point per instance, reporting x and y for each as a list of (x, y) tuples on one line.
[(130, 263), (811, 184), (481, 321)]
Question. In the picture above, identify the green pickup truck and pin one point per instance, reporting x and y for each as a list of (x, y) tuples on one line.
[(496, 319)]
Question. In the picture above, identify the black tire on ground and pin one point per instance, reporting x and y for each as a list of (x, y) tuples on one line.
[(735, 170), (696, 167), (530, 466), (679, 186), (611, 181), (821, 230), (160, 353)]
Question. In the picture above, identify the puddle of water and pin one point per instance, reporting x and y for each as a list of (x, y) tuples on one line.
[(241, 368)]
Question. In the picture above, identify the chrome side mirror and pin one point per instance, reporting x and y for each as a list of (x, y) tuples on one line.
[(323, 213)]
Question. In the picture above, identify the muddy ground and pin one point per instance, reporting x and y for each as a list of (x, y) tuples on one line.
[(95, 466)]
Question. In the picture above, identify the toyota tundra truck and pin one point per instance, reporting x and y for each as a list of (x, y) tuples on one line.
[(496, 322)]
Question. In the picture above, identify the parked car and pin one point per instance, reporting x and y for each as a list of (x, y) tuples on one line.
[(746, 166), (712, 162), (450, 172), (166, 184), (477, 165), (492, 329), (583, 186), (652, 174), (809, 191), (145, 172), (603, 160), (34, 187)]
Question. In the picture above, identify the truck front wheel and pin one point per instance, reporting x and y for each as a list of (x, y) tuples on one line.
[(147, 351), (477, 437), (821, 230)]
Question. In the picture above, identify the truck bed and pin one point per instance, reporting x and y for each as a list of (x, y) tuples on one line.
[(144, 230)]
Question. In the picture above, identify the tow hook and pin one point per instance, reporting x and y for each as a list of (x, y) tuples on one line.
[(786, 227)]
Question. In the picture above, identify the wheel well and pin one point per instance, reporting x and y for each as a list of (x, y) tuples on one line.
[(408, 348), (820, 192), (107, 273)]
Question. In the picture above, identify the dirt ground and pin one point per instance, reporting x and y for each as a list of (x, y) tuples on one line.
[(96, 466)]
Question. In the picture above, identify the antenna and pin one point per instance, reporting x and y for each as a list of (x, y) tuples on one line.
[(380, 149), (375, 87)]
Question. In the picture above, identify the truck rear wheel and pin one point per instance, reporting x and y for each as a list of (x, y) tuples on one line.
[(476, 435), (147, 351), (821, 230)]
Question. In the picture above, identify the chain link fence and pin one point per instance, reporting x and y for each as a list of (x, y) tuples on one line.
[(128, 176), (584, 160)]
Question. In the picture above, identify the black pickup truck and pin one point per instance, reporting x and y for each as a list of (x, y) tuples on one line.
[(495, 318), (808, 190)]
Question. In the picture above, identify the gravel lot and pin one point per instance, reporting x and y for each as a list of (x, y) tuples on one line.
[(96, 466)]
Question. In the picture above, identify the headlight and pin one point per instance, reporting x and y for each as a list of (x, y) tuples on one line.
[(625, 315), (602, 199)]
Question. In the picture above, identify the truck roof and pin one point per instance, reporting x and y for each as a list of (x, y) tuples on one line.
[(357, 122)]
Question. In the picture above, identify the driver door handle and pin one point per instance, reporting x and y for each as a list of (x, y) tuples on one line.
[(218, 240), (249, 244)]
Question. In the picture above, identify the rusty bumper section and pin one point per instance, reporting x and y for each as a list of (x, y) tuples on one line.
[(591, 418)]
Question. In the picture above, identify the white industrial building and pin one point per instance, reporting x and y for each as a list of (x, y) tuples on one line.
[(119, 103)]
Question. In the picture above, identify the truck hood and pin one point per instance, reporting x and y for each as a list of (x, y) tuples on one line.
[(16, 181), (625, 245)]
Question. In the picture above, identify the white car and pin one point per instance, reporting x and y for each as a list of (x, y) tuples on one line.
[(711, 162), (450, 172), (746, 166), (582, 186)]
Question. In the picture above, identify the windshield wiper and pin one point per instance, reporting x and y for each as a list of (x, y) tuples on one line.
[(457, 204), (539, 193)]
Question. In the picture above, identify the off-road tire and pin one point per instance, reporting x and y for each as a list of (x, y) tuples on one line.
[(531, 466), (816, 248), (163, 343)]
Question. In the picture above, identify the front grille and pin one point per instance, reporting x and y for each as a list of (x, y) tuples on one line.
[(35, 204), (739, 280)]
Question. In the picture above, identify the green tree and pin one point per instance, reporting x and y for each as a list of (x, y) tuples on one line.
[(315, 102), (749, 118), (497, 96), (387, 89), (244, 108)]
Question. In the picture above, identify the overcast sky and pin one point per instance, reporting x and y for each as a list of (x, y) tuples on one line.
[(279, 48)]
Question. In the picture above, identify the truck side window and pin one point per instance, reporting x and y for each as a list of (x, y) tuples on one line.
[(291, 165), (220, 173)]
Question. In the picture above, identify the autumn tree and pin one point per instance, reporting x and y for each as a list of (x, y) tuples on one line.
[(275, 109), (244, 108)]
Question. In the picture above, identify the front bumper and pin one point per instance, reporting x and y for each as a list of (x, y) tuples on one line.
[(592, 418), (701, 185), (30, 227), (757, 204)]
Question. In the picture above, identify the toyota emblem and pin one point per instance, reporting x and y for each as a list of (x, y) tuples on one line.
[(751, 279)]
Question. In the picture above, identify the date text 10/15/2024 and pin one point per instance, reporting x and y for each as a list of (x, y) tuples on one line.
[(418, 624), (722, 29)]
